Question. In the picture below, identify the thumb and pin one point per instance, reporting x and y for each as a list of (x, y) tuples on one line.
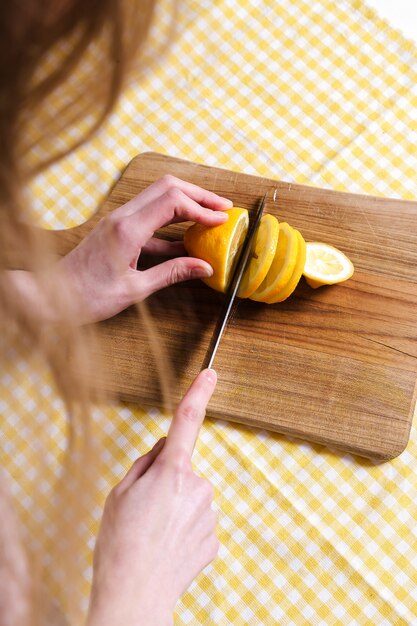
[(189, 416), (171, 272)]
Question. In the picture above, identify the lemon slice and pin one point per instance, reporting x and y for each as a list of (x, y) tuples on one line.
[(282, 266), (287, 289), (326, 265), (261, 255), (219, 245)]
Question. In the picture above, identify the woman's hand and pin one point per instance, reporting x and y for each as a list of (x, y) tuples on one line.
[(101, 270), (158, 527)]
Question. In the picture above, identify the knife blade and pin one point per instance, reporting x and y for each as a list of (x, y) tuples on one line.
[(234, 284)]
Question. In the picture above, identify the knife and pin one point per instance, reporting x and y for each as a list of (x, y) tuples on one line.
[(234, 284)]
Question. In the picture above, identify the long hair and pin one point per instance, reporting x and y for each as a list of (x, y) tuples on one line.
[(42, 43)]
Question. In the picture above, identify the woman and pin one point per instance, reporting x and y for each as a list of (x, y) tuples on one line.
[(158, 527)]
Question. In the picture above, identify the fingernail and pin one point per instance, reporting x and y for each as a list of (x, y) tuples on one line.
[(227, 202), (202, 272), (223, 216), (211, 375)]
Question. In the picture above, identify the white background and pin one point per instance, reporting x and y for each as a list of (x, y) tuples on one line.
[(401, 14)]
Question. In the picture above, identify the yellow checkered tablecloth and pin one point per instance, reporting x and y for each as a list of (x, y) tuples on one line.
[(322, 93)]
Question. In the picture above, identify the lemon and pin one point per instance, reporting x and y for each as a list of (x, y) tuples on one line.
[(219, 246), (292, 283), (282, 266), (326, 265), (261, 255)]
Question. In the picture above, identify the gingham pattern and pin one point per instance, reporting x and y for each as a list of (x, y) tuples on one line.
[(321, 93)]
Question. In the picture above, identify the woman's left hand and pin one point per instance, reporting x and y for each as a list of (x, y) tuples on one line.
[(101, 271)]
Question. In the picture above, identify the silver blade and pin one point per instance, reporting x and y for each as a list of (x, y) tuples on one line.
[(234, 283)]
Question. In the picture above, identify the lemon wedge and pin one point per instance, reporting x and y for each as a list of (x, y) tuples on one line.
[(292, 283), (261, 255), (219, 246), (326, 265), (282, 266)]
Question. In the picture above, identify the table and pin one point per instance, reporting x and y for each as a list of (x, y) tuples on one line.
[(401, 15), (321, 93)]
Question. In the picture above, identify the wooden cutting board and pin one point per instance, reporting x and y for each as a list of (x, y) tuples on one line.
[(336, 365)]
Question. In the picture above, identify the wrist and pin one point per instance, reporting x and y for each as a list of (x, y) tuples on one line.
[(115, 618), (119, 611)]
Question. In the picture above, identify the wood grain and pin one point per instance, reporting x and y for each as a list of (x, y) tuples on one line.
[(336, 365)]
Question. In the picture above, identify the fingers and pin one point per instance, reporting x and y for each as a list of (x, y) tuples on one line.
[(141, 466), (166, 183), (164, 248), (167, 201), (189, 415), (173, 206), (146, 282)]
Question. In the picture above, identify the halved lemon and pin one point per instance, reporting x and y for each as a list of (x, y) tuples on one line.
[(219, 246), (326, 265), (287, 289), (282, 266), (261, 255)]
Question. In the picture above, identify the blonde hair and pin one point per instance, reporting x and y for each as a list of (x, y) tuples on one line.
[(28, 33)]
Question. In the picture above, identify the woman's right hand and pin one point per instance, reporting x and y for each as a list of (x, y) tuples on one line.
[(158, 527)]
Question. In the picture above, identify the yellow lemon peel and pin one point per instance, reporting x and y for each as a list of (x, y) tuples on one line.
[(282, 266), (288, 289), (326, 265), (219, 245), (261, 255)]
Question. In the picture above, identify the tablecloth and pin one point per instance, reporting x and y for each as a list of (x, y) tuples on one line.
[(322, 93)]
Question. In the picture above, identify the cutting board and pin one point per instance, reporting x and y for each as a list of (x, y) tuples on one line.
[(336, 365)]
